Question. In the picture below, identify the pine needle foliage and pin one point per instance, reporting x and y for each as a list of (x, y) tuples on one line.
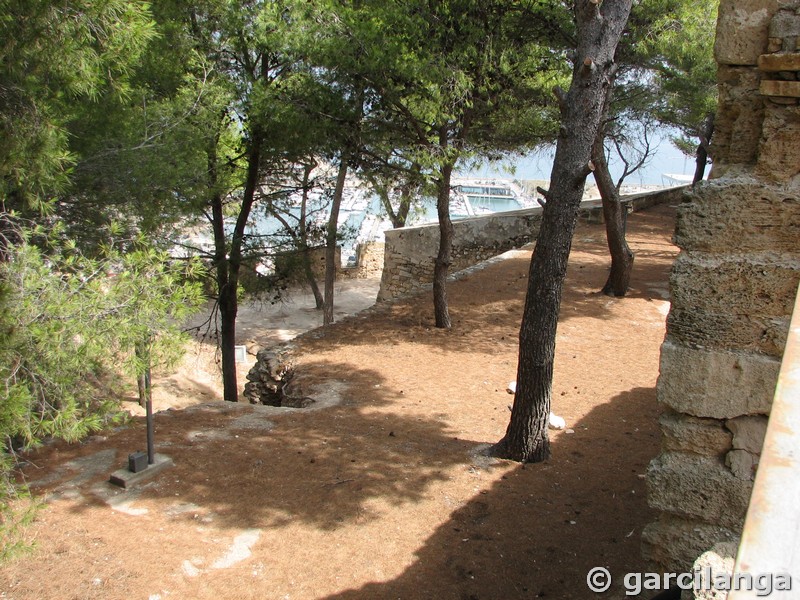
[(69, 325)]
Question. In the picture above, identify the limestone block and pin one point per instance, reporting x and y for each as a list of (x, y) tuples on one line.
[(718, 561), (684, 433), (738, 125), (742, 464), (741, 214), (713, 383), (777, 87), (779, 152), (763, 284), (783, 61), (743, 30), (672, 544), (748, 432), (697, 487), (728, 331), (785, 25)]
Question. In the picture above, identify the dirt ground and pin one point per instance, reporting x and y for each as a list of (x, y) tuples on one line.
[(380, 490)]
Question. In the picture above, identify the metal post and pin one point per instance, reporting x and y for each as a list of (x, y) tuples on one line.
[(151, 454)]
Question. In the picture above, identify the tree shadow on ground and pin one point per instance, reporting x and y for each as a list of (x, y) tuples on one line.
[(256, 467), (482, 326), (539, 530), (479, 325)]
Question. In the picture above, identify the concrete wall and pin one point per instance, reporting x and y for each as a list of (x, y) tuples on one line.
[(733, 288), (410, 252)]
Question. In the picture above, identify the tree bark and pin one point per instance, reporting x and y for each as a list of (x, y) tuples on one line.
[(228, 267), (599, 29), (227, 305), (143, 379), (330, 240), (444, 257), (701, 160), (319, 299), (311, 279), (615, 216), (701, 156)]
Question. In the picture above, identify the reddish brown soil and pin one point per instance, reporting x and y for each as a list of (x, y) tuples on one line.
[(385, 495)]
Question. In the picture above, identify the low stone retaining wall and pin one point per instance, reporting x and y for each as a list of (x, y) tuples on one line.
[(410, 252), (369, 262)]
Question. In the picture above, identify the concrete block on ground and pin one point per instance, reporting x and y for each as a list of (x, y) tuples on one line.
[(728, 331), (763, 283), (779, 153), (127, 479)]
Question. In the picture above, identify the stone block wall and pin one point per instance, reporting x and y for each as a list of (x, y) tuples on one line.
[(369, 261), (410, 252), (289, 263), (732, 291)]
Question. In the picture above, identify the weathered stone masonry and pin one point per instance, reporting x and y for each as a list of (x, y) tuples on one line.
[(732, 290), (410, 252)]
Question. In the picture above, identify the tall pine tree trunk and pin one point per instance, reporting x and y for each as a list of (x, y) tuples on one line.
[(701, 156), (311, 279), (330, 240), (444, 257), (615, 215), (305, 257), (229, 264), (600, 26), (226, 302)]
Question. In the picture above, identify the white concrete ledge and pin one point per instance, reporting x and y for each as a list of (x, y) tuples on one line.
[(770, 546)]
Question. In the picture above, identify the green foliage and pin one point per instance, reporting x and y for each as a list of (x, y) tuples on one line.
[(686, 75), (55, 55), (69, 325), (668, 54)]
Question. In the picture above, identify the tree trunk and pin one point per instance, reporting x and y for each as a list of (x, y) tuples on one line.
[(444, 257), (227, 304), (701, 156), (615, 216), (143, 379), (599, 30), (311, 279), (228, 266), (228, 309), (319, 299), (330, 240), (701, 160)]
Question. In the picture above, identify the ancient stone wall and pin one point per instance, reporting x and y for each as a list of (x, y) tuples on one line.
[(369, 262), (289, 264), (732, 290), (411, 251)]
